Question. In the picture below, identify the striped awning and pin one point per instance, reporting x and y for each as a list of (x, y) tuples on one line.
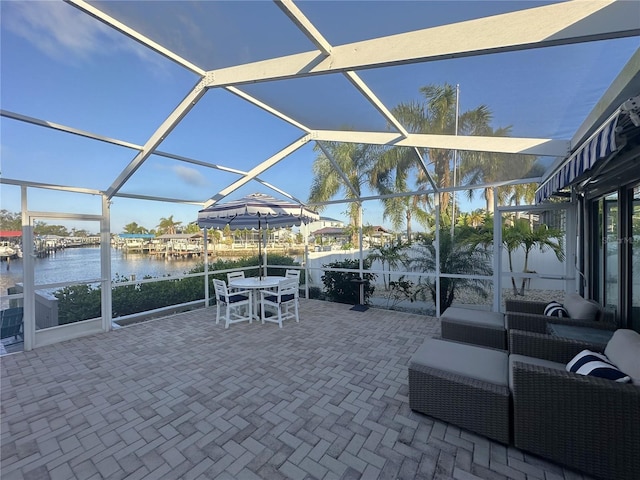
[(597, 147)]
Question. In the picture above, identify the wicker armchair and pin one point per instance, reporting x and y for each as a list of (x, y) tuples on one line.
[(586, 423), (529, 316), (548, 347)]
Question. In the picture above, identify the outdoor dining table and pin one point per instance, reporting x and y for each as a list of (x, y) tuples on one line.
[(257, 284)]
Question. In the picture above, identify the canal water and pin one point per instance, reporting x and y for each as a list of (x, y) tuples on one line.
[(80, 264)]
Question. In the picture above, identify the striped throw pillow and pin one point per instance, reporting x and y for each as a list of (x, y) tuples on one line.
[(555, 309), (596, 365)]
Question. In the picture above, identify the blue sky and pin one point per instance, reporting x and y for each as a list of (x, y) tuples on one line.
[(62, 66)]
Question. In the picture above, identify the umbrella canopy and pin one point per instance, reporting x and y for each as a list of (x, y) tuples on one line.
[(255, 211)]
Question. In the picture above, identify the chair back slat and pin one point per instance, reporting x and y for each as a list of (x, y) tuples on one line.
[(293, 274), (220, 287), (288, 286), (235, 275)]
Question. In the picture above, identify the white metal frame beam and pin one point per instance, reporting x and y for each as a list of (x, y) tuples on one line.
[(524, 146), (425, 169), (257, 170), (267, 108), (301, 21), (481, 186), (531, 28), (135, 35), (292, 11), (557, 24), (159, 135), (49, 186), (364, 89), (343, 175), (64, 128), (133, 146)]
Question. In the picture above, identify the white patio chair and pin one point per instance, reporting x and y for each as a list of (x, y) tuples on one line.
[(238, 304), (282, 300), (231, 276), (293, 274)]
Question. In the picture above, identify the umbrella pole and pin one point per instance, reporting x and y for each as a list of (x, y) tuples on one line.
[(259, 249)]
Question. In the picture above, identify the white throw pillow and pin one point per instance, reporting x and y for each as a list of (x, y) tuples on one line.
[(596, 365), (555, 309)]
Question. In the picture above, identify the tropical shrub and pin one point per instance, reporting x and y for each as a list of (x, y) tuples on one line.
[(459, 254), (341, 287), (391, 256), (522, 234), (316, 293), (399, 291)]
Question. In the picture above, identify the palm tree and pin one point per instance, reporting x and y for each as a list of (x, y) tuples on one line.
[(541, 236), (522, 194), (436, 115), (477, 217), (393, 255), (215, 236), (356, 161), (401, 211), (486, 167), (459, 254), (133, 227), (192, 228), (525, 192), (390, 175), (521, 234), (168, 225), (228, 235)]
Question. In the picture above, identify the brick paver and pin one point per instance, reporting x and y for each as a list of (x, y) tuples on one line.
[(182, 397)]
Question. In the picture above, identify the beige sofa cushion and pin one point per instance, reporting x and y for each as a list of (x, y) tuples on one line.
[(579, 308), (624, 351), (484, 364), (474, 317)]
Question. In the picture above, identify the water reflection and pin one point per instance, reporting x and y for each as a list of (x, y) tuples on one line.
[(79, 264)]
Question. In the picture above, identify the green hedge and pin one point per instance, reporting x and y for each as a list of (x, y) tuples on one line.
[(340, 286), (81, 302)]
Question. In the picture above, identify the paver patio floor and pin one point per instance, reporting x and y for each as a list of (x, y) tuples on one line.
[(183, 398)]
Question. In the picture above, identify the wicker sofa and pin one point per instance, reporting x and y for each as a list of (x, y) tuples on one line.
[(587, 423), (527, 398), (529, 315)]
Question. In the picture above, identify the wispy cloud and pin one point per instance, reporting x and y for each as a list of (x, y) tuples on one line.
[(66, 34), (190, 176)]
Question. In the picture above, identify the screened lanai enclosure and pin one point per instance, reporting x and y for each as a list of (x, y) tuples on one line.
[(463, 152)]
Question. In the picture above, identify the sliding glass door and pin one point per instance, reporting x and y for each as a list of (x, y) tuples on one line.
[(611, 251), (614, 243), (634, 241)]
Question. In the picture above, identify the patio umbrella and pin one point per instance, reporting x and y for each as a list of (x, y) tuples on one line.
[(254, 211)]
